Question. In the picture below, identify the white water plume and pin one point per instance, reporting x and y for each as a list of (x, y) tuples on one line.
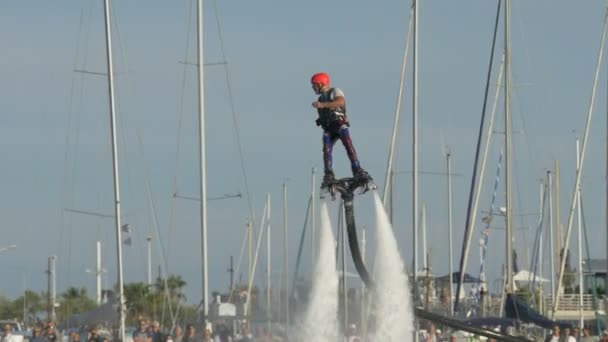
[(320, 321), (393, 314)]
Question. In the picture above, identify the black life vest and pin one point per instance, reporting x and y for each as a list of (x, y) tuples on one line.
[(329, 115)]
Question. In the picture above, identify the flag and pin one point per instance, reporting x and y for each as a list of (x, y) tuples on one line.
[(126, 228)]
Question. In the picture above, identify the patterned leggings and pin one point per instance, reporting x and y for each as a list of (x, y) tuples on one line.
[(338, 130)]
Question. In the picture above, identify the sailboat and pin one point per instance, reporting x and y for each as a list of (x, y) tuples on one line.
[(575, 202), (515, 307)]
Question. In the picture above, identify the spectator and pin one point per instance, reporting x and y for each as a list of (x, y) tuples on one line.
[(604, 337), (576, 333), (94, 336), (7, 334), (37, 334), (222, 333), (568, 336), (141, 334), (587, 335), (74, 336), (179, 334), (244, 335), (50, 335), (155, 333), (443, 296), (431, 335), (555, 336), (207, 336), (190, 334)]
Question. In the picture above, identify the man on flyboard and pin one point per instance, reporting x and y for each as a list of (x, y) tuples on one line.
[(331, 107)]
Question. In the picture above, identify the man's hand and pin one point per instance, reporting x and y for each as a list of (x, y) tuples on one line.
[(317, 104)]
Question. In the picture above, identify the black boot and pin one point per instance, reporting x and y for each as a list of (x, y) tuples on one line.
[(360, 174), (328, 178)]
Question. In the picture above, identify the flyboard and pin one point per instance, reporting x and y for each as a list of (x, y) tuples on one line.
[(347, 189)]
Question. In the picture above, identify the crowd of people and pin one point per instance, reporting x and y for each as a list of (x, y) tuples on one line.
[(575, 335), (46, 332), (222, 332), (241, 332), (152, 331)]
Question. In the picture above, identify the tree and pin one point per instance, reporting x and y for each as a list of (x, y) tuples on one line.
[(174, 287), (74, 300), (169, 291), (8, 309), (33, 303), (139, 299)]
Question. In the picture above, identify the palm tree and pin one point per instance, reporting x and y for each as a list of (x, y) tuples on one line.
[(32, 302), (75, 300), (138, 297), (174, 286)]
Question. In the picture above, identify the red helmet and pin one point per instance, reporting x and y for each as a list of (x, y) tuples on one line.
[(321, 78)]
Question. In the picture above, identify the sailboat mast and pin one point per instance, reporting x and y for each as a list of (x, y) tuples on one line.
[(415, 144), (389, 166), (203, 164), (98, 272), (250, 249), (539, 259), (415, 155), (558, 221), (579, 223), (116, 179), (551, 233), (149, 270), (285, 260), (268, 264), (579, 170), (425, 260), (474, 196), (449, 170), (508, 180)]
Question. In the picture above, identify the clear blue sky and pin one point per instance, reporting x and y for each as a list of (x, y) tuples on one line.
[(54, 131)]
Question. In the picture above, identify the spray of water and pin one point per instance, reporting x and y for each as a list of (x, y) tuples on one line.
[(320, 321), (394, 315)]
